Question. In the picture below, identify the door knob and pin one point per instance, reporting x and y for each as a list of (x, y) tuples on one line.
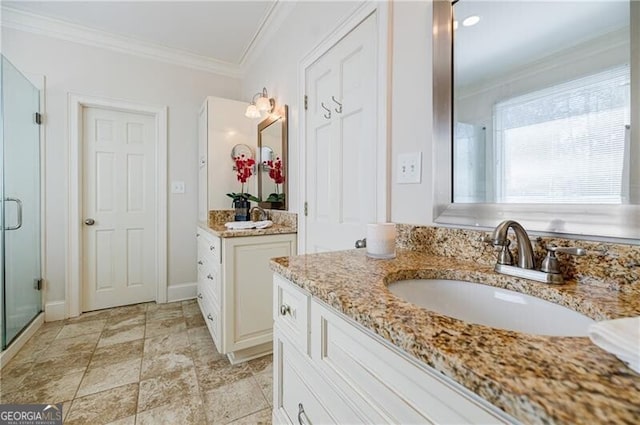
[(89, 222)]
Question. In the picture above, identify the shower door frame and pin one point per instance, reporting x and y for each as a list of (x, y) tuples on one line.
[(39, 81)]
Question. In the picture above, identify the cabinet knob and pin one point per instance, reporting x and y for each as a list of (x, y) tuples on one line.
[(200, 296), (210, 317), (284, 309), (209, 276), (212, 248), (200, 262), (302, 413)]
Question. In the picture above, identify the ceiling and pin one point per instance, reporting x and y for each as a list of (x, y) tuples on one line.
[(219, 30)]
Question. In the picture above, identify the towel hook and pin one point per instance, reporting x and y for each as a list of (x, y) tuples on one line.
[(339, 108), (326, 109)]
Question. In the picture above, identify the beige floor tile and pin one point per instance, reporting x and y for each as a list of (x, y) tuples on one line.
[(12, 375), (165, 326), (126, 320), (220, 373), (234, 401), (56, 390), (162, 390), (166, 314), (89, 316), (48, 331), (195, 321), (66, 407), (120, 335), (81, 328), (205, 355), (265, 380), (159, 364), (186, 411), (129, 309), (61, 365), (261, 364), (165, 344), (166, 306), (103, 378), (200, 337), (104, 407), (191, 308), (117, 353), (263, 417), (129, 420), (64, 346)]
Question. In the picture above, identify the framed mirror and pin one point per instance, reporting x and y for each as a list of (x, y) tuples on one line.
[(536, 115), (272, 160)]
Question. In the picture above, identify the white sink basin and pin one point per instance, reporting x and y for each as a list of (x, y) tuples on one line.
[(495, 307)]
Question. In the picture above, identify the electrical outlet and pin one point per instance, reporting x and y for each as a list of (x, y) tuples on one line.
[(409, 168), (177, 187)]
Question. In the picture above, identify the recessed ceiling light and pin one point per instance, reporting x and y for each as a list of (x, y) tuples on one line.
[(471, 21), (455, 25)]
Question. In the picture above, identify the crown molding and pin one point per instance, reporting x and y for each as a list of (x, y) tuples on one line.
[(270, 25), (55, 28)]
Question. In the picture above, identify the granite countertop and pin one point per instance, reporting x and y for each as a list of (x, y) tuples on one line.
[(221, 231), (536, 379)]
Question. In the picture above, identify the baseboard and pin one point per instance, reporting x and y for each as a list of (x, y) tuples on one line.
[(19, 342), (55, 310), (182, 291)]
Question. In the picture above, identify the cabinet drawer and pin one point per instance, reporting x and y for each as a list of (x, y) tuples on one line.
[(211, 315), (291, 312), (209, 246), (370, 370), (301, 396)]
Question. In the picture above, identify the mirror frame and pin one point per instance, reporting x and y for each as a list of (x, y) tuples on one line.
[(619, 223), (282, 115)]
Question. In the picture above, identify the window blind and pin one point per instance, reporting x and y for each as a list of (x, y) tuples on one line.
[(565, 143)]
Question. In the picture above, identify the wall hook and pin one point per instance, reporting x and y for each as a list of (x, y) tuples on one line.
[(326, 109), (339, 108)]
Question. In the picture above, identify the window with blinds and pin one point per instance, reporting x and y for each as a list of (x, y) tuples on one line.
[(566, 143)]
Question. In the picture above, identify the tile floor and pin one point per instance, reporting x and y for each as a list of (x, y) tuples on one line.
[(140, 364)]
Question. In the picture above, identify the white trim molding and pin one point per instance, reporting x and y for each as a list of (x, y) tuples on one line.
[(21, 340), (182, 291), (383, 11), (55, 310), (74, 246), (56, 28)]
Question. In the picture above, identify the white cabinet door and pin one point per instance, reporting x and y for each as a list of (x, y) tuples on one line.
[(341, 147)]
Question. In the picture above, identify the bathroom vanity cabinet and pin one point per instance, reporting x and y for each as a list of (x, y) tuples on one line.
[(235, 289), (329, 369)]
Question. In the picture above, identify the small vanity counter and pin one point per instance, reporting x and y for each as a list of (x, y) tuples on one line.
[(284, 223), (536, 379)]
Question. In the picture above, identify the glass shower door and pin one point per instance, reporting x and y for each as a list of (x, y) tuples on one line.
[(20, 194)]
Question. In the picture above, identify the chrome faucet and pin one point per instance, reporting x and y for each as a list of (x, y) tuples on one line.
[(263, 213), (525, 251)]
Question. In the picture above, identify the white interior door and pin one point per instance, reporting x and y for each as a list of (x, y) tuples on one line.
[(119, 230), (341, 141)]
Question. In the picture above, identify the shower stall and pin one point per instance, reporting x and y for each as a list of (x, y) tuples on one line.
[(20, 218)]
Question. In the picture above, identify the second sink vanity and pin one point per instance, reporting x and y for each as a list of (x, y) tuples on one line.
[(392, 361)]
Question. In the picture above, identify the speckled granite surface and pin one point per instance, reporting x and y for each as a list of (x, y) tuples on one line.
[(537, 379), (284, 222)]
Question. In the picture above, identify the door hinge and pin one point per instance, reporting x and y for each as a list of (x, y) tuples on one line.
[(37, 284), (306, 209), (306, 102), (37, 117)]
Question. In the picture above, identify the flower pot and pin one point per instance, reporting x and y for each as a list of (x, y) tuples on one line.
[(242, 207)]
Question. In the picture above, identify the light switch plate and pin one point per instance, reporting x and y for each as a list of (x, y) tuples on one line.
[(409, 168), (177, 187)]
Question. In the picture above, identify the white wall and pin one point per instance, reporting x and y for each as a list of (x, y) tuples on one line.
[(305, 27), (70, 67)]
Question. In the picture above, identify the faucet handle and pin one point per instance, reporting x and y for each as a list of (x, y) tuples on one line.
[(550, 264)]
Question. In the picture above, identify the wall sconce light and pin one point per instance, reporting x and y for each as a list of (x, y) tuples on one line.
[(263, 103)]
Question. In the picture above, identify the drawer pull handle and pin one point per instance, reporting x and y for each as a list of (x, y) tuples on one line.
[(200, 296), (284, 309), (301, 412), (210, 317), (209, 276), (197, 235), (200, 262)]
